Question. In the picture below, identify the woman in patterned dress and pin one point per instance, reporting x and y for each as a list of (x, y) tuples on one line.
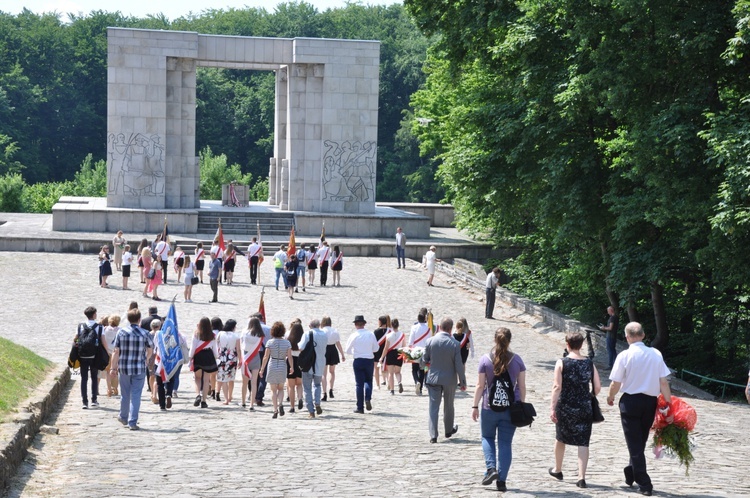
[(228, 344), (279, 355), (571, 406)]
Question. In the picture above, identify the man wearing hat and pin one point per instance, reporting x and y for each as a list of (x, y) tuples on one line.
[(362, 346)]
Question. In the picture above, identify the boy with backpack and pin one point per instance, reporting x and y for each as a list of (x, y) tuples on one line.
[(88, 340)]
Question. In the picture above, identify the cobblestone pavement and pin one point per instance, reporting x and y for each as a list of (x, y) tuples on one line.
[(231, 452)]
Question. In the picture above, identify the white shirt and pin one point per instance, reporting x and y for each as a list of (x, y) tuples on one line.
[(162, 250), (127, 258), (418, 330), (491, 282), (254, 249), (362, 344), (324, 254), (639, 369), (333, 335), (429, 259), (400, 239)]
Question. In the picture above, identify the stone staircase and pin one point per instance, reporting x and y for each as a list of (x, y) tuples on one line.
[(244, 226)]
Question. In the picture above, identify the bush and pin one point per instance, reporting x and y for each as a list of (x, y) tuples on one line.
[(40, 197), (215, 173), (11, 193), (259, 191), (91, 179)]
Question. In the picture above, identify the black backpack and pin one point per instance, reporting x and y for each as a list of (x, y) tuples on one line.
[(88, 340), (501, 392), (307, 356)]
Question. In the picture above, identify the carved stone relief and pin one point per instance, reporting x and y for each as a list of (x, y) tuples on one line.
[(135, 164), (349, 171)]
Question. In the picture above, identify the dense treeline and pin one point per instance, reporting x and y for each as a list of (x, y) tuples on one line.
[(53, 93), (611, 138)]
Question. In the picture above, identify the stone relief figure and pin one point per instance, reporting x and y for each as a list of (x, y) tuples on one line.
[(135, 164), (349, 171)]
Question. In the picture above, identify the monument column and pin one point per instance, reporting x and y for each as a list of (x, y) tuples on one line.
[(280, 137)]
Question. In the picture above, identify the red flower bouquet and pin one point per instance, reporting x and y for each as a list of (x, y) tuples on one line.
[(674, 438)]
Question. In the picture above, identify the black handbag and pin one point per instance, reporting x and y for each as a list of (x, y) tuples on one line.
[(522, 414), (151, 273), (596, 410), (102, 358), (195, 281), (73, 358)]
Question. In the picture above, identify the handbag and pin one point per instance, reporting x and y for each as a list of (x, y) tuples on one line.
[(522, 414), (101, 361), (195, 281), (73, 361), (151, 273), (596, 410)]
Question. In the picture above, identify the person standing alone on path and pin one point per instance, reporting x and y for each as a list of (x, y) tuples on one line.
[(613, 323), (493, 280), (132, 346), (641, 374), (400, 248), (88, 339), (443, 355), (362, 346)]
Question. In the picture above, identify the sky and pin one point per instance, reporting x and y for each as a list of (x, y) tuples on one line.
[(172, 9)]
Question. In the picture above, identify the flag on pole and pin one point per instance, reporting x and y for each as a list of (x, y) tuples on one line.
[(219, 238), (430, 323), (165, 232), (260, 254), (323, 232), (292, 245), (169, 354), (262, 306)]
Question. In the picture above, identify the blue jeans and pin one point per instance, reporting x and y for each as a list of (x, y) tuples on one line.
[(401, 256), (611, 349), (131, 387), (312, 396), (176, 378), (363, 369), (279, 274), (497, 426)]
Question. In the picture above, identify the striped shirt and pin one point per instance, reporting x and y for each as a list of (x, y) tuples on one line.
[(133, 342)]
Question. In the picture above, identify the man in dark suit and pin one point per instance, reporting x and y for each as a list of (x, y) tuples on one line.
[(443, 354), (153, 314)]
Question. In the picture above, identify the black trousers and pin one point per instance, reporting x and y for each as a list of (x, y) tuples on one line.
[(490, 305), (87, 365), (164, 265), (417, 373), (637, 415), (253, 269), (215, 288), (261, 381), (163, 390), (323, 272)]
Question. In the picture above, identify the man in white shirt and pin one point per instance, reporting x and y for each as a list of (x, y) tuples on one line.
[(418, 336), (641, 374), (254, 251), (315, 374), (493, 279), (324, 257), (362, 346), (162, 254), (400, 248)]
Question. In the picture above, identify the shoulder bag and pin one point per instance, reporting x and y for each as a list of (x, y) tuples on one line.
[(596, 410)]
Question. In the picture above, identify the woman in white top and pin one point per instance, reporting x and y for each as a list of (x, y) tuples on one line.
[(228, 344), (127, 261), (334, 354), (252, 342), (200, 254), (109, 334), (179, 261), (390, 361), (189, 267), (430, 258)]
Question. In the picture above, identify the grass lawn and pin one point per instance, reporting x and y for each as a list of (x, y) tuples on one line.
[(21, 371)]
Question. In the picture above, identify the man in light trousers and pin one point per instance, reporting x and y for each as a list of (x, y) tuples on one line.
[(314, 376)]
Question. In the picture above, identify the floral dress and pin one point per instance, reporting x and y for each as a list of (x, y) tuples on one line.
[(228, 361), (573, 410)]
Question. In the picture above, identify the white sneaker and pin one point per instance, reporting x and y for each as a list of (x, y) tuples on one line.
[(94, 403)]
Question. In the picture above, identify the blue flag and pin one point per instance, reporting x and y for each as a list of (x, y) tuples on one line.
[(170, 356)]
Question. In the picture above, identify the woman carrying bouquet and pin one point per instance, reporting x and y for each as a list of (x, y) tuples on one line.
[(571, 406), (497, 428)]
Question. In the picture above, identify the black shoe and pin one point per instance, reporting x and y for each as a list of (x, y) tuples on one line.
[(400, 388), (204, 404), (325, 397), (259, 402), (455, 430), (433, 440), (645, 492), (501, 486), (489, 477), (556, 475), (318, 409), (330, 393), (368, 405), (281, 410), (581, 483), (357, 410), (299, 405), (629, 477), (217, 397), (197, 401)]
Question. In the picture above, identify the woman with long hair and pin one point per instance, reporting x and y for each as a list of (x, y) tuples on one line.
[(312, 263), (148, 263), (384, 326), (203, 354), (464, 337), (334, 356), (141, 265), (501, 365), (336, 265), (105, 267), (294, 378), (200, 262), (279, 354), (154, 283), (228, 344), (179, 261), (229, 262), (252, 342), (189, 268), (571, 405), (391, 361)]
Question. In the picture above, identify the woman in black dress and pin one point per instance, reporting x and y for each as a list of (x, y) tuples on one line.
[(203, 354), (294, 379), (290, 272), (571, 406), (463, 336), (384, 325), (105, 267)]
